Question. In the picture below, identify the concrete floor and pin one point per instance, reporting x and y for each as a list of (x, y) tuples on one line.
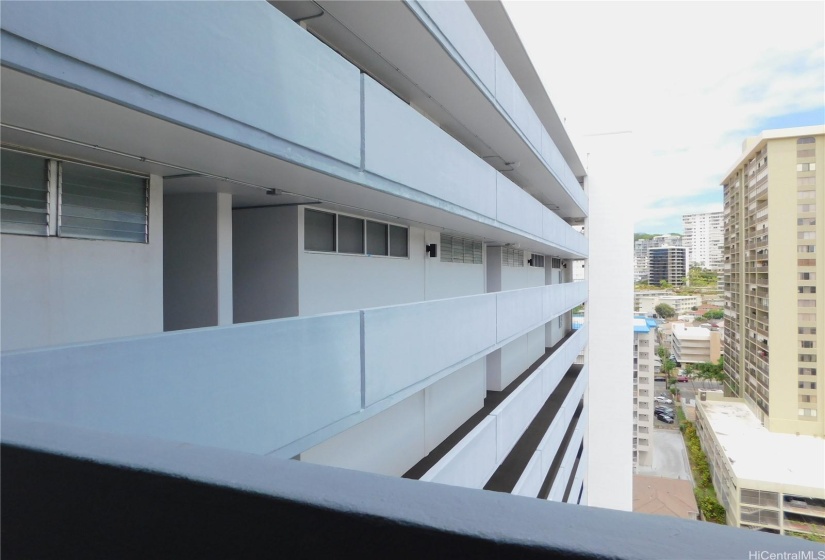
[(669, 456)]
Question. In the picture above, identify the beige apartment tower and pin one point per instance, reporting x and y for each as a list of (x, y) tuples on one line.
[(774, 322)]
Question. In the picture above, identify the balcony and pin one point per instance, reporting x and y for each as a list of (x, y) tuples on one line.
[(298, 381), (553, 392), (76, 493), (332, 120)]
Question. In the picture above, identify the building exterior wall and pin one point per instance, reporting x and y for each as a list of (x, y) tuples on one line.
[(683, 305), (667, 264), (773, 329), (692, 345), (704, 239), (265, 253), (610, 462), (787, 507), (361, 361), (197, 261), (59, 291), (644, 359)]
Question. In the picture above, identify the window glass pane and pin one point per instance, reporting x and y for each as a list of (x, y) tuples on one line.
[(477, 252), (102, 204), (446, 248), (319, 231), (376, 238), (399, 242), (24, 194), (350, 235)]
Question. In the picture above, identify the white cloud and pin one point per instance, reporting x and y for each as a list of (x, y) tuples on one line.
[(688, 78)]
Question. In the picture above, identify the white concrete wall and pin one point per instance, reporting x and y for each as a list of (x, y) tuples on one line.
[(449, 167), (254, 387), (493, 268), (448, 280), (197, 260), (566, 471), (58, 291), (265, 263), (274, 75), (456, 22), (451, 401), (405, 345), (609, 316), (394, 440), (388, 443), (475, 458), (516, 208), (337, 282), (510, 361)]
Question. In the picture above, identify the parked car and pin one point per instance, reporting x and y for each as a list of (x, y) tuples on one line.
[(664, 410), (659, 378), (661, 413), (663, 399), (666, 419), (682, 379)]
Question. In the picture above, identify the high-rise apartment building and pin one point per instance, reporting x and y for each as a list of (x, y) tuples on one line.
[(644, 370), (704, 239), (336, 233), (764, 439), (774, 324), (669, 264), (641, 260)]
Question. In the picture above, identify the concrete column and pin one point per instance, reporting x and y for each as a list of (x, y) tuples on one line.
[(609, 314), (224, 254), (197, 260)]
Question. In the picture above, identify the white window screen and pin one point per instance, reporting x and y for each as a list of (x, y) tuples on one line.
[(460, 250), (24, 194), (512, 257), (97, 203)]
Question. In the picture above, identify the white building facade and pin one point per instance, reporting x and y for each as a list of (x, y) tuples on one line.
[(280, 230), (705, 239), (645, 368), (694, 345), (646, 302)]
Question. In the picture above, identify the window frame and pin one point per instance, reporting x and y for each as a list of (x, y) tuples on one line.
[(54, 196), (364, 236)]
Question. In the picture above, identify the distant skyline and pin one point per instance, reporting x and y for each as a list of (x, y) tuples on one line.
[(691, 80)]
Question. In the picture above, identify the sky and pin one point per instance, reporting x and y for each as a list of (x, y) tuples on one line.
[(683, 83)]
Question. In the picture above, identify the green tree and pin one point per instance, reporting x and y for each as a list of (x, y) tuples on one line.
[(701, 277), (664, 311), (709, 371), (665, 285), (714, 314)]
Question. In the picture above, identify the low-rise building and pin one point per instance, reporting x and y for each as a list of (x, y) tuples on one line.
[(766, 481), (646, 302), (693, 345)]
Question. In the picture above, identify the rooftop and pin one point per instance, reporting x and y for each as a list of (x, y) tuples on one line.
[(792, 460), (643, 324), (756, 143), (664, 496), (682, 331)]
